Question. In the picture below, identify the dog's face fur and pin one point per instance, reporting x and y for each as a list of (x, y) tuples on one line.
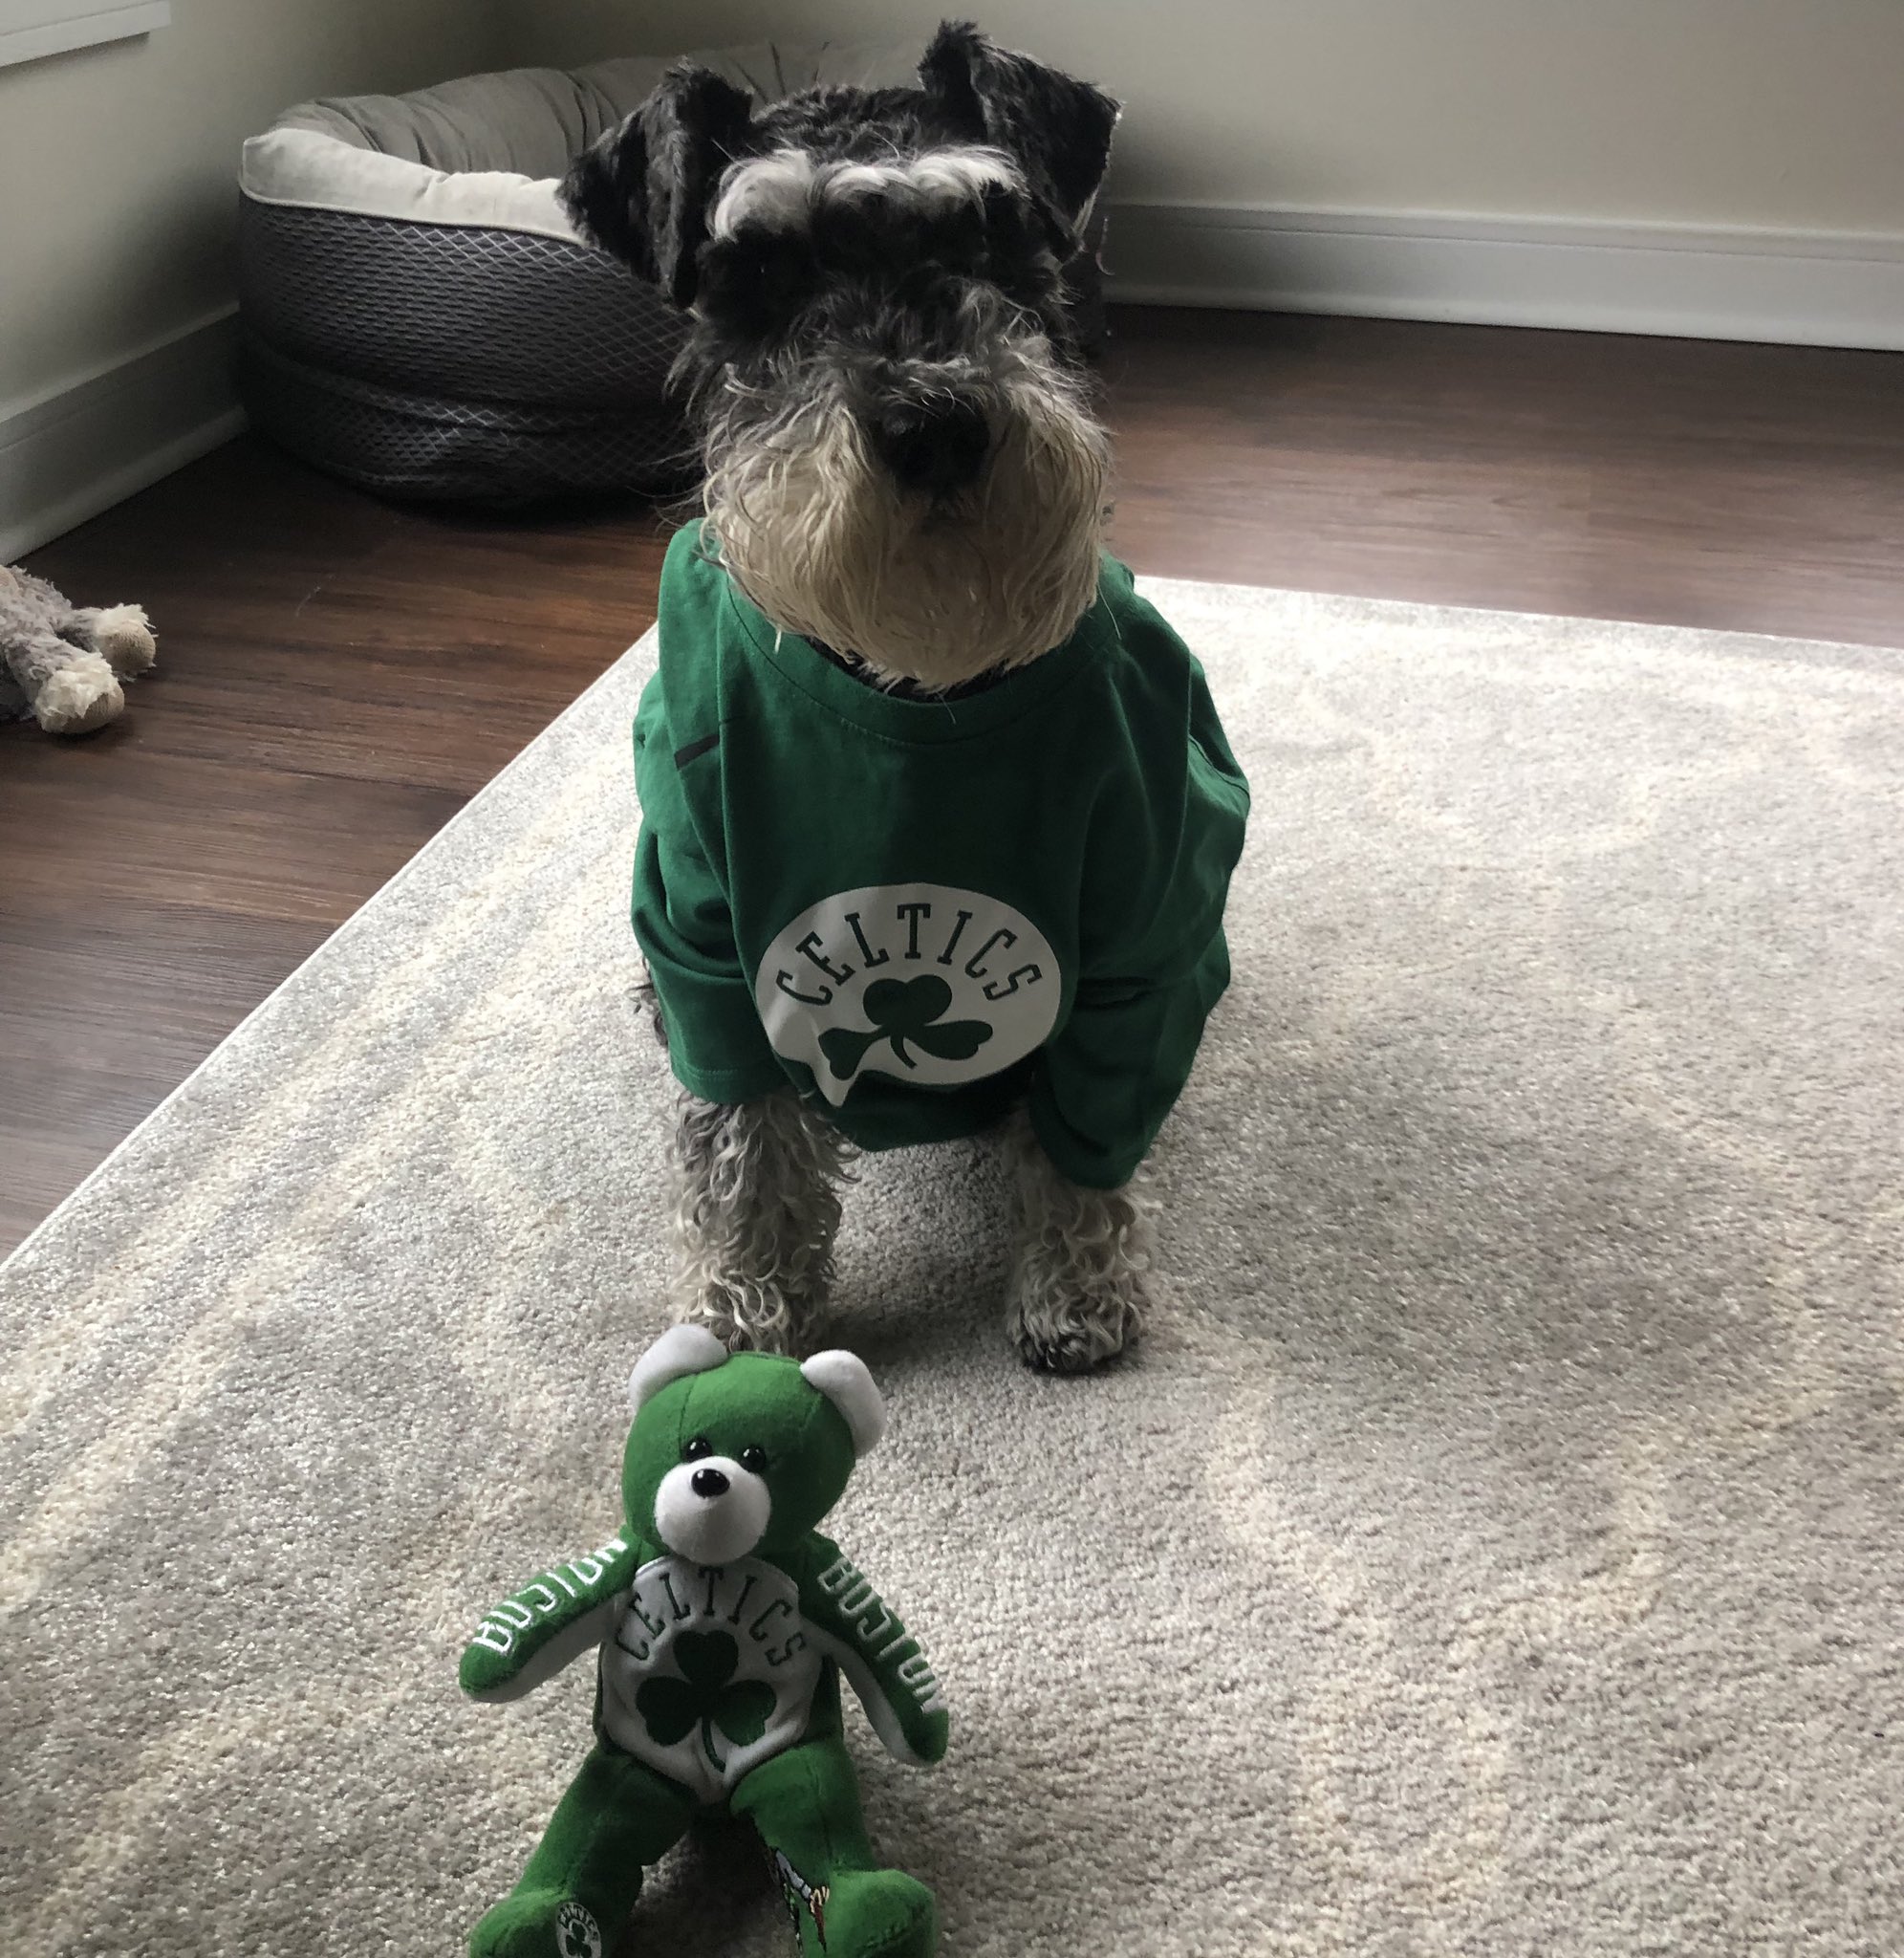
[(900, 462)]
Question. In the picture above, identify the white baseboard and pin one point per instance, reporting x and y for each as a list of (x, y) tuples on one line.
[(1822, 288), (78, 449), (30, 29)]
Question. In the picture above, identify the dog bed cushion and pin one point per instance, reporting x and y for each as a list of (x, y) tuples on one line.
[(418, 313)]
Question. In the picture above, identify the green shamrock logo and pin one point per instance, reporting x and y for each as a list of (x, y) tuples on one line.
[(706, 1695), (577, 1935), (903, 1010)]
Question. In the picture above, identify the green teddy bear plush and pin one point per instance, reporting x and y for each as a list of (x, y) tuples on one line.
[(723, 1620)]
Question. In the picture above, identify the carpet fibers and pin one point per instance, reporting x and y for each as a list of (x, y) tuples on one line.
[(1493, 1549)]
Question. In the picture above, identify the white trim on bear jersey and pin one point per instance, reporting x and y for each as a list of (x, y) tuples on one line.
[(723, 1651)]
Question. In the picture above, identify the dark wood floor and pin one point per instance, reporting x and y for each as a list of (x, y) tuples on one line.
[(338, 677)]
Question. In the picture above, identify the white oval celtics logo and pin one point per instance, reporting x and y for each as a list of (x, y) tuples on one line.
[(914, 981), (577, 1935)]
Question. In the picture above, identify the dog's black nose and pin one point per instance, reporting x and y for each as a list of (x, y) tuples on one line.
[(937, 445), (708, 1483)]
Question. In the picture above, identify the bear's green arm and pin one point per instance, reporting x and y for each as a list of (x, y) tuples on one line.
[(533, 1633), (862, 1634)]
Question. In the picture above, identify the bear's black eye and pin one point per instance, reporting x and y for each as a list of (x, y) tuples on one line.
[(753, 1458), (692, 1451)]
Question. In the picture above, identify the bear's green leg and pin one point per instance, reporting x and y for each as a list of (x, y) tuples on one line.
[(585, 1873), (806, 1805)]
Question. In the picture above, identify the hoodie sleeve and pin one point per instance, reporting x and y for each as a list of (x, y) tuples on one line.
[(1160, 871), (715, 1045)]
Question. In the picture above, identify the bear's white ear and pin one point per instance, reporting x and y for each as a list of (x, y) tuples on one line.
[(842, 1378), (680, 1351)]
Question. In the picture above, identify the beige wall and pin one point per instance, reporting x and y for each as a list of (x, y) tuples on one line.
[(118, 163), (1787, 114)]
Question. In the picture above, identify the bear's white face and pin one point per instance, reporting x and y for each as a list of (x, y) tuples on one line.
[(711, 1509)]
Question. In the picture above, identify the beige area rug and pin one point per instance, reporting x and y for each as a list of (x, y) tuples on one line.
[(1495, 1550)]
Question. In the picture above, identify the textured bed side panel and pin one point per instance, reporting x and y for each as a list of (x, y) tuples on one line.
[(453, 311), (427, 447)]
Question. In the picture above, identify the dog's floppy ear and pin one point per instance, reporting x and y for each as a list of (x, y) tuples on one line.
[(642, 190), (1056, 127)]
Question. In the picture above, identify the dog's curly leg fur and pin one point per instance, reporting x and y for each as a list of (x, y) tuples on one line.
[(1079, 1281), (755, 1217), (756, 1211)]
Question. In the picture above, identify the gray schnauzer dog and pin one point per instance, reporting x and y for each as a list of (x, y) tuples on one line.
[(903, 477)]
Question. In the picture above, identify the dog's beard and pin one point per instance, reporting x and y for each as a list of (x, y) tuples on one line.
[(828, 545)]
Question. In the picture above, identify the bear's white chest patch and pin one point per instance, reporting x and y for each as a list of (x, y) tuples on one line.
[(919, 982), (708, 1672)]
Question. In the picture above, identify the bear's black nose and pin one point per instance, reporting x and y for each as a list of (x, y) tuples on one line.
[(708, 1483)]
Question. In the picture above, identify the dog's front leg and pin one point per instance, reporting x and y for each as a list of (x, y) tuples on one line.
[(755, 1216), (1078, 1280)]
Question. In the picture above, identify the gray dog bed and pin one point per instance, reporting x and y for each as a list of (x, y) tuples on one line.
[(418, 314)]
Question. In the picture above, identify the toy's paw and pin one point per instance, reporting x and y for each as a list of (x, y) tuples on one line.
[(123, 634), (82, 696), (486, 1674), (539, 1924), (873, 1914)]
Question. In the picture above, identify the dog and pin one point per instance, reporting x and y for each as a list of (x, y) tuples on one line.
[(938, 818)]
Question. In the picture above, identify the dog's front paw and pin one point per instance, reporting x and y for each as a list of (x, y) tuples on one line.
[(1079, 1279), (744, 1315), (1063, 1321), (755, 1215)]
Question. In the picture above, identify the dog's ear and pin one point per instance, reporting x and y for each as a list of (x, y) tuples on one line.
[(642, 190), (1057, 128)]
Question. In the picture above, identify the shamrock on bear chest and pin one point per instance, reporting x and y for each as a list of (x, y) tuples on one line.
[(709, 1671)]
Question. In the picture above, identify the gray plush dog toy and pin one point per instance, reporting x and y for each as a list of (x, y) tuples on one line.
[(62, 664)]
